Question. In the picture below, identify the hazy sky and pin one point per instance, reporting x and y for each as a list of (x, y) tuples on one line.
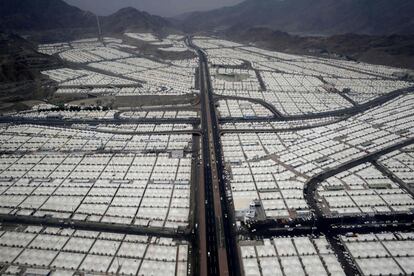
[(160, 7)]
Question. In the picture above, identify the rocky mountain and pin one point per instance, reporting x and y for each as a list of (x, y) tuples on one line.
[(20, 77), (41, 15), (391, 50), (133, 19), (311, 17), (20, 61), (46, 15)]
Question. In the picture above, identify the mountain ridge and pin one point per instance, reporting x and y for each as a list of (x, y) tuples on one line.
[(128, 17), (44, 15), (41, 15), (390, 50), (320, 17)]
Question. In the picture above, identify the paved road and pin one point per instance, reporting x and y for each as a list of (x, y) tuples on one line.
[(200, 218), (312, 184), (222, 252), (330, 227), (341, 224), (334, 225), (60, 122), (97, 226), (273, 130), (207, 239), (91, 86), (125, 132), (393, 177), (322, 59), (217, 257), (354, 109), (137, 83), (269, 106), (316, 115)]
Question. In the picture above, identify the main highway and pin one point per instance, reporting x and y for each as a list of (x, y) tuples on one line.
[(218, 253)]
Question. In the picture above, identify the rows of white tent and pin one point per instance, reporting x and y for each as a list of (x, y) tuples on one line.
[(72, 78), (184, 63), (48, 112), (139, 128), (131, 179), (326, 68), (159, 114), (290, 94), (401, 164), (363, 90), (364, 190), (261, 162), (55, 251), (297, 84), (223, 61), (130, 189), (81, 114), (88, 43), (170, 43), (212, 43), (150, 72), (85, 55), (111, 64), (290, 257), (279, 190), (127, 90), (279, 125), (127, 65), (385, 253), (147, 37), (26, 138), (245, 109), (265, 59)]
